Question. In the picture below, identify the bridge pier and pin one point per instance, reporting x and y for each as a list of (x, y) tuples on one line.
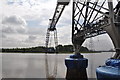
[(113, 31), (76, 64), (111, 69), (76, 67)]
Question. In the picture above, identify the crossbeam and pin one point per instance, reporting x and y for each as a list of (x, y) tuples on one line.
[(94, 29), (89, 19), (57, 14)]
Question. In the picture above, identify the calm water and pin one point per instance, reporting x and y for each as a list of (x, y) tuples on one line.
[(33, 65)]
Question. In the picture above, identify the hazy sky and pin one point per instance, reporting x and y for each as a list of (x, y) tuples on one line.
[(24, 24)]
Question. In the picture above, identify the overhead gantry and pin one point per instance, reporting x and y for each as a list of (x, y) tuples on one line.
[(52, 22), (52, 28), (57, 14)]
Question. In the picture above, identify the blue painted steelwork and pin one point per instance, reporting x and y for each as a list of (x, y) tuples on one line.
[(76, 63), (111, 71), (76, 67), (113, 62)]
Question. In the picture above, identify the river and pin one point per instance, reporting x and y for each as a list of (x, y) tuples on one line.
[(31, 65)]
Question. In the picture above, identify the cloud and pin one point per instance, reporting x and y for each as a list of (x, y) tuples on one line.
[(13, 31), (26, 10), (3, 36), (14, 20), (13, 24), (7, 30), (31, 38), (25, 24), (16, 34), (36, 31), (101, 42), (12, 42), (64, 34)]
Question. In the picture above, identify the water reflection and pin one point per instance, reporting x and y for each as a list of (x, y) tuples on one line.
[(33, 65), (0, 66)]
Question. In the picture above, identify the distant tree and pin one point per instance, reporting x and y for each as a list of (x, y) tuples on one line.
[(41, 49)]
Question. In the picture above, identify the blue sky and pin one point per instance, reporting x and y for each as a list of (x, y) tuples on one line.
[(24, 24)]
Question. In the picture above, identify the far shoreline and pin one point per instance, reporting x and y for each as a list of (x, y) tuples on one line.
[(55, 53)]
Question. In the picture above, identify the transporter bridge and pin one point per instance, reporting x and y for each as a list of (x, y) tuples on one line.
[(90, 18)]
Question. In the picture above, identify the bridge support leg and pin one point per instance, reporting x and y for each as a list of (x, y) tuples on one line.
[(76, 67)]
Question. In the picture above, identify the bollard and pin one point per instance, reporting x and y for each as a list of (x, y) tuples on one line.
[(76, 67), (111, 71)]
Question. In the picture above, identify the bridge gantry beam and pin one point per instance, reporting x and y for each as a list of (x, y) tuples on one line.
[(57, 14), (52, 22)]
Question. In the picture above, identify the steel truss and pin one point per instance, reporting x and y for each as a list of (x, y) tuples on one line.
[(92, 18), (58, 11), (89, 18)]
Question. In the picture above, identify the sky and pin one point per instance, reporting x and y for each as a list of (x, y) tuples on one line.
[(24, 24)]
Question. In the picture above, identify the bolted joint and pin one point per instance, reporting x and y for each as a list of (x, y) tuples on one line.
[(78, 40)]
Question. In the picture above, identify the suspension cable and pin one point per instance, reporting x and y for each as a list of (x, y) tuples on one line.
[(48, 35)]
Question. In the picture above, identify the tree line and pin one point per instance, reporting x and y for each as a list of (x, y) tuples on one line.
[(42, 49)]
